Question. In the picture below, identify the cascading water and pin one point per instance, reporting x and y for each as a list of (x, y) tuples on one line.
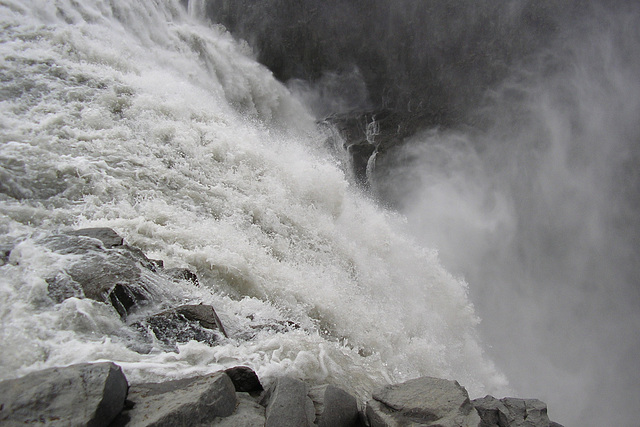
[(134, 116)]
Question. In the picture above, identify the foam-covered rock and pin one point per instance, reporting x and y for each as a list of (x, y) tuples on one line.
[(179, 273), (107, 236), (78, 395), (111, 275)]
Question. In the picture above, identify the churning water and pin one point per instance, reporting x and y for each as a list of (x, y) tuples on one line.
[(133, 115), (138, 116)]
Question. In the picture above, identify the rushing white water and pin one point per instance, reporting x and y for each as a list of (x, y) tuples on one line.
[(133, 115)]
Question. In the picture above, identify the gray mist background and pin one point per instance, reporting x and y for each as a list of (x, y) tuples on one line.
[(510, 138)]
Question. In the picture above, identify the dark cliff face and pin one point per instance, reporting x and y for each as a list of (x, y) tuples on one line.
[(427, 61)]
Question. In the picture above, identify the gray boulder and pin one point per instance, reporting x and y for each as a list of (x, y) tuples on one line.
[(186, 402), (78, 395), (287, 404), (334, 407), (423, 401), (512, 412)]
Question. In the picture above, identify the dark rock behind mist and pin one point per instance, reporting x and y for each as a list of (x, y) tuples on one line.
[(383, 70), (429, 61)]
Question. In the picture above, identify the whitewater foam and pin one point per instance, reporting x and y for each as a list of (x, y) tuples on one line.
[(135, 116)]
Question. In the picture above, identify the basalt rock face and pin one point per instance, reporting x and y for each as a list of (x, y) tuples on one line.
[(414, 65), (94, 395)]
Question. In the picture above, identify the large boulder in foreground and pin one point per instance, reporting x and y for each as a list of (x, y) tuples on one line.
[(84, 394), (186, 402), (424, 401)]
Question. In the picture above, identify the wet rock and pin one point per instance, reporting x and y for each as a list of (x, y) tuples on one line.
[(512, 412), (177, 274), (287, 404), (244, 379), (423, 401), (5, 251), (183, 324), (138, 256), (112, 275), (84, 394), (185, 402), (334, 407), (107, 236), (66, 244)]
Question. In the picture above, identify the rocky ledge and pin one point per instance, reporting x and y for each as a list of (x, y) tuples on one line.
[(104, 269), (99, 395)]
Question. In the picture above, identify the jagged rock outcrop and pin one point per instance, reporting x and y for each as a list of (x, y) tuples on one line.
[(78, 395), (423, 401)]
